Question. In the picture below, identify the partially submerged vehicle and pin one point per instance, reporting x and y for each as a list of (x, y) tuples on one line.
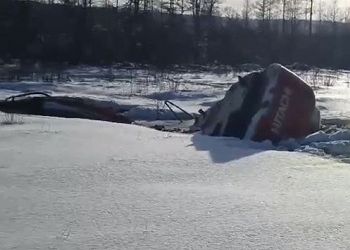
[(39, 103), (272, 104)]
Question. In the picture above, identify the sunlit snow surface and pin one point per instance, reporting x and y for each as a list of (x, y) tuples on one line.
[(147, 87), (192, 89), (79, 184)]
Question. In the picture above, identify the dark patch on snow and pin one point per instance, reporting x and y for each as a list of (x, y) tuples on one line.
[(171, 95)]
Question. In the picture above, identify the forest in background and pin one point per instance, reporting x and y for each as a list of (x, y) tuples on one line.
[(175, 32)]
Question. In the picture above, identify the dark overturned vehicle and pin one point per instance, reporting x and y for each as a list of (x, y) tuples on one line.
[(274, 104)]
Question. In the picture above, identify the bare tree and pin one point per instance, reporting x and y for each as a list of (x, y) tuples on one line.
[(230, 13), (265, 12), (261, 9), (145, 5), (196, 7), (168, 6), (320, 13), (117, 5), (346, 14), (266, 9), (87, 3), (246, 11), (284, 8), (182, 6), (334, 11), (293, 12), (311, 15), (210, 6), (133, 5), (333, 14), (272, 9)]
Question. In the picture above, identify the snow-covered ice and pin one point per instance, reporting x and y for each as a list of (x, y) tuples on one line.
[(144, 89), (79, 184)]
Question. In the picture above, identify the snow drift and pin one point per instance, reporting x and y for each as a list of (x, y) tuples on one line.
[(80, 184)]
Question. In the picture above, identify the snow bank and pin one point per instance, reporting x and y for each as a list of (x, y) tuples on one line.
[(336, 144), (79, 184)]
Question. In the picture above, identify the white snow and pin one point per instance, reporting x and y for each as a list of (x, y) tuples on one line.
[(145, 89), (190, 89), (79, 184)]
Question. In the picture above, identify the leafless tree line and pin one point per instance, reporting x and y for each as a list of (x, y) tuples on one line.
[(292, 11), (196, 7), (116, 33), (264, 10)]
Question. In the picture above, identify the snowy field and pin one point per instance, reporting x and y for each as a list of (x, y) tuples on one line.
[(191, 89), (80, 184), (145, 89)]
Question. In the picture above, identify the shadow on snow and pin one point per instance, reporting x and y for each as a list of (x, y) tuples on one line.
[(226, 149)]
